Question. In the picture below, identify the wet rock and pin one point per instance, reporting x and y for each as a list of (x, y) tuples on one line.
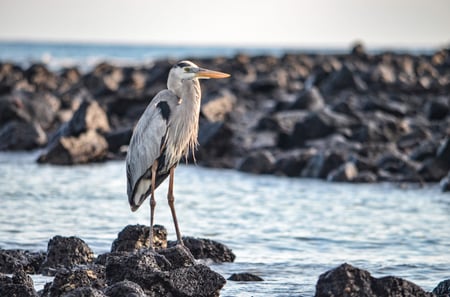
[(13, 108), (159, 277), (76, 281), (436, 168), (258, 162), (17, 135), (39, 76), (365, 177), (20, 284), (69, 150), (437, 109), (245, 277), (124, 288), (135, 237), (442, 289), (178, 256), (66, 252), (445, 183), (118, 139), (215, 144), (345, 173), (85, 292), (202, 248), (346, 280), (14, 260), (310, 99), (89, 116), (318, 125), (322, 163), (196, 280), (105, 79), (293, 162), (344, 78), (215, 108)]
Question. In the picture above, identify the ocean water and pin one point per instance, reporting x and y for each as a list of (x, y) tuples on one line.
[(87, 55), (286, 230)]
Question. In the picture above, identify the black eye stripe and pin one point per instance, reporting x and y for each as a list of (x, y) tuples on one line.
[(183, 64)]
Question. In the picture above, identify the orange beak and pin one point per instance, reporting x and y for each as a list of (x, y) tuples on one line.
[(206, 74)]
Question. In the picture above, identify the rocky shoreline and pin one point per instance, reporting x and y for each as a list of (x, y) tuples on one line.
[(355, 117), (130, 269)]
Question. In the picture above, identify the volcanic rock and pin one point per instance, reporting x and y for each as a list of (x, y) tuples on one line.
[(66, 252), (245, 277), (20, 284), (14, 260), (346, 280), (202, 248)]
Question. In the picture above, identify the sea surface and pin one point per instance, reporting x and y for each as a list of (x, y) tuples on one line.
[(86, 55), (286, 230)]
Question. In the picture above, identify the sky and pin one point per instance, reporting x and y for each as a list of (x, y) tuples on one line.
[(291, 23)]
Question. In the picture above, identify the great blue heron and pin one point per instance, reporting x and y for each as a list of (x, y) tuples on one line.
[(165, 133)]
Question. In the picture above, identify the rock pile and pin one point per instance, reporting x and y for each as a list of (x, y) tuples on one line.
[(355, 117)]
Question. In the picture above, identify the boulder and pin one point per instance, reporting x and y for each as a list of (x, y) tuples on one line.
[(436, 168), (125, 288), (245, 277), (310, 99), (14, 260), (135, 237), (216, 107), (18, 135), (69, 150), (437, 109), (445, 183), (442, 289), (347, 280), (293, 162), (344, 78), (20, 284), (322, 163), (318, 125), (66, 252), (345, 173), (257, 162), (161, 276), (76, 281), (202, 248)]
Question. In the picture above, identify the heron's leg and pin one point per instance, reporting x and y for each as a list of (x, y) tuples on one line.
[(152, 203), (171, 200)]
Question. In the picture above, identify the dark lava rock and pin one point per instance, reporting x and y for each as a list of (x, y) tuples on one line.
[(310, 99), (346, 280), (87, 147), (69, 279), (245, 277), (215, 143), (344, 78), (443, 289), (292, 163), (436, 109), (18, 135), (202, 248), (345, 173), (124, 289), (159, 277), (445, 183), (438, 167), (135, 237), (322, 163), (258, 162), (318, 125), (117, 139), (66, 252), (85, 292), (215, 108), (13, 260), (197, 280), (20, 285)]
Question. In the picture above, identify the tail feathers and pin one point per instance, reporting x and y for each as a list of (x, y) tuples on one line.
[(142, 190)]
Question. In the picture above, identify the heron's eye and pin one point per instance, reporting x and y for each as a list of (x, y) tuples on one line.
[(187, 69)]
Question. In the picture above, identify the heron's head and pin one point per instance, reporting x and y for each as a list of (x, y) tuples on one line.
[(186, 70)]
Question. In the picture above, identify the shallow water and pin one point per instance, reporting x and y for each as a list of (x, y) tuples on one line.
[(286, 230)]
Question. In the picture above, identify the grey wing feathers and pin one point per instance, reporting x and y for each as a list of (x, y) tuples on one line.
[(145, 147)]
